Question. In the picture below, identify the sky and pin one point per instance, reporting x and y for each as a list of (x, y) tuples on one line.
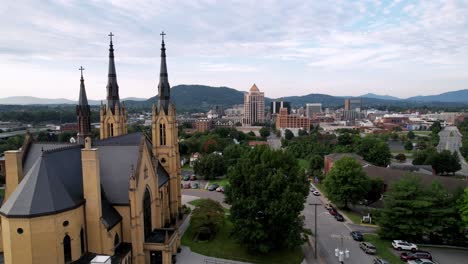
[(336, 47)]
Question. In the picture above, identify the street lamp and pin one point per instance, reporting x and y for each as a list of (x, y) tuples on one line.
[(341, 253)]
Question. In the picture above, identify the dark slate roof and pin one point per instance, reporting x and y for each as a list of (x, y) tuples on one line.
[(110, 216), (133, 139), (116, 163), (390, 175), (53, 178), (35, 150), (53, 184), (163, 176)]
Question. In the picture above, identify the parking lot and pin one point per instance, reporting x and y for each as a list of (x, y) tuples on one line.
[(448, 255)]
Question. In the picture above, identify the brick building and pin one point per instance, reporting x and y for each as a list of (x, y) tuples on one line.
[(284, 120)]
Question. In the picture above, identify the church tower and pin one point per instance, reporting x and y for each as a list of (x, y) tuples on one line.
[(83, 113), (113, 114), (164, 135)]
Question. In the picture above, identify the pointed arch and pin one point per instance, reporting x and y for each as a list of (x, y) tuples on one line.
[(67, 255), (147, 213), (116, 240), (82, 241), (162, 134)]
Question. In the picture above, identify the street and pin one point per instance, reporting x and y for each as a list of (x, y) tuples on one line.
[(274, 141), (451, 139), (329, 231)]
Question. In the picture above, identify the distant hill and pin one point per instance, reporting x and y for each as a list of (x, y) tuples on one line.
[(377, 96), (31, 100), (196, 97), (454, 96), (190, 98)]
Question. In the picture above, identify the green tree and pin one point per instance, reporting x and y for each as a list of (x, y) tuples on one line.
[(346, 182), (264, 132), (302, 133), (411, 211), (232, 154), (411, 135), (445, 162), (400, 157), (375, 150), (408, 145), (206, 219), (316, 162), (436, 127), (376, 190), (288, 134), (267, 191), (210, 166), (463, 207), (405, 210)]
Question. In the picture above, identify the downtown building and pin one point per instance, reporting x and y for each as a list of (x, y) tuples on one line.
[(254, 107)]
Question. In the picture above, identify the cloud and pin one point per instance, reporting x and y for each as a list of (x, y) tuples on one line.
[(241, 36)]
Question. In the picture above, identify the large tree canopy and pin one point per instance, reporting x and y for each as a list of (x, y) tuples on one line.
[(346, 182), (412, 211), (267, 192)]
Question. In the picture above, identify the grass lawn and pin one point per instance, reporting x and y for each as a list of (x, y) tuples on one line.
[(224, 246), (187, 167), (384, 248), (353, 216), (303, 164), (221, 182)]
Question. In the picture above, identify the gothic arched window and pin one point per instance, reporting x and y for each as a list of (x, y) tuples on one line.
[(162, 134), (67, 256), (147, 213)]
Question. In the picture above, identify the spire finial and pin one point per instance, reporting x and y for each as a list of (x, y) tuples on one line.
[(81, 69), (111, 35), (162, 35)]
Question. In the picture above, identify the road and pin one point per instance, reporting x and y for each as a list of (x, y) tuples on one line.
[(329, 230), (451, 139)]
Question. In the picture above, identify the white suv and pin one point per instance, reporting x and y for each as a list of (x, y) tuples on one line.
[(404, 245)]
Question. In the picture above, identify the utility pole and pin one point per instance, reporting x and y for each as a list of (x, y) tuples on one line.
[(315, 228)]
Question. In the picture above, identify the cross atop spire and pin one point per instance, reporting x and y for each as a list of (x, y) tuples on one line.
[(81, 69), (163, 87), (111, 35)]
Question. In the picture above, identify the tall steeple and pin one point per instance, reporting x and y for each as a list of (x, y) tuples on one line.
[(83, 113), (112, 86), (164, 91)]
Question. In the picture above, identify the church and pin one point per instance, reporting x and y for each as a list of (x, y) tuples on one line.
[(115, 197)]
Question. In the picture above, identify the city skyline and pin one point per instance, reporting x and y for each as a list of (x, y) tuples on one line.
[(343, 48)]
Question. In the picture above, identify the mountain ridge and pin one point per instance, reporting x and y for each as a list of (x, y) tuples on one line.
[(201, 97)]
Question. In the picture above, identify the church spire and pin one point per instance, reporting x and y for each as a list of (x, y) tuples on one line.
[(112, 86), (163, 87), (83, 113), (83, 100)]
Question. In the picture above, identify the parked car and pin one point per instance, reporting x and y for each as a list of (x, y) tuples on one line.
[(328, 206), (316, 193), (404, 245), (380, 261), (220, 189), (332, 211), (194, 185), (420, 261), (186, 185), (213, 187), (193, 177), (367, 247), (186, 177), (312, 190), (356, 235), (339, 217), (405, 256)]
